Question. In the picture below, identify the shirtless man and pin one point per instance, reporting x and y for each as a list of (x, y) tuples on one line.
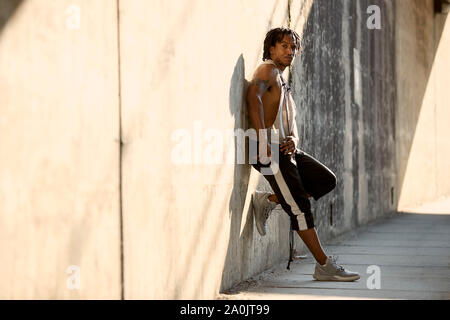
[(300, 176)]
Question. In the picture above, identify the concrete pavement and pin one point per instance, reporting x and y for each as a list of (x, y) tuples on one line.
[(412, 250)]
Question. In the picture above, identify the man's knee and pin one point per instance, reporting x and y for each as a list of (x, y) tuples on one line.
[(333, 181)]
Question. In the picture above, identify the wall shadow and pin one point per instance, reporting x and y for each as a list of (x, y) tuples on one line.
[(238, 255), (7, 10), (238, 89)]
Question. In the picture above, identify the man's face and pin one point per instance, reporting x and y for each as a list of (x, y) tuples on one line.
[(284, 52)]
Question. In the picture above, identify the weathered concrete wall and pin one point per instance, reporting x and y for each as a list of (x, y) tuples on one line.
[(344, 87), (372, 106), (188, 230), (59, 186)]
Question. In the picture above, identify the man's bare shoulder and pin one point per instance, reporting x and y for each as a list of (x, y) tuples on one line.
[(265, 72)]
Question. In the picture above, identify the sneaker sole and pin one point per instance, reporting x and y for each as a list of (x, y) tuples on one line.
[(257, 225), (336, 278)]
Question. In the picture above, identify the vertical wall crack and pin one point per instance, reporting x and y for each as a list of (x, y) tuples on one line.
[(122, 284)]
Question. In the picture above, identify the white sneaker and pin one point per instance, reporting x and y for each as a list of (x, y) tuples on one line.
[(331, 271), (262, 207)]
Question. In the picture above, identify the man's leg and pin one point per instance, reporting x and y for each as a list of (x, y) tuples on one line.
[(294, 199), (311, 240), (274, 198), (317, 178)]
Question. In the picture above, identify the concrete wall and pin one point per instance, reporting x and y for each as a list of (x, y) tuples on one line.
[(344, 87), (59, 187), (182, 221), (169, 80), (372, 106)]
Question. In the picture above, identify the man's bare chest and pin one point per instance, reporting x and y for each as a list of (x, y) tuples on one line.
[(271, 102)]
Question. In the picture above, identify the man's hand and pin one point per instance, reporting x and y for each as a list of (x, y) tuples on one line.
[(289, 145)]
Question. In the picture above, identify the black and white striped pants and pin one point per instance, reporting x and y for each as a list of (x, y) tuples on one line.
[(295, 179)]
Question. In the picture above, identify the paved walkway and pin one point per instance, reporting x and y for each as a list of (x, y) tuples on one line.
[(411, 249)]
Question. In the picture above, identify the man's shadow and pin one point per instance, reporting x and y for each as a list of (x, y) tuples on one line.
[(239, 201)]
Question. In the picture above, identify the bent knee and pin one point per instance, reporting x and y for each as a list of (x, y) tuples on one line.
[(332, 181)]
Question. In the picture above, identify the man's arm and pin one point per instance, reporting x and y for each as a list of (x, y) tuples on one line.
[(264, 78)]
